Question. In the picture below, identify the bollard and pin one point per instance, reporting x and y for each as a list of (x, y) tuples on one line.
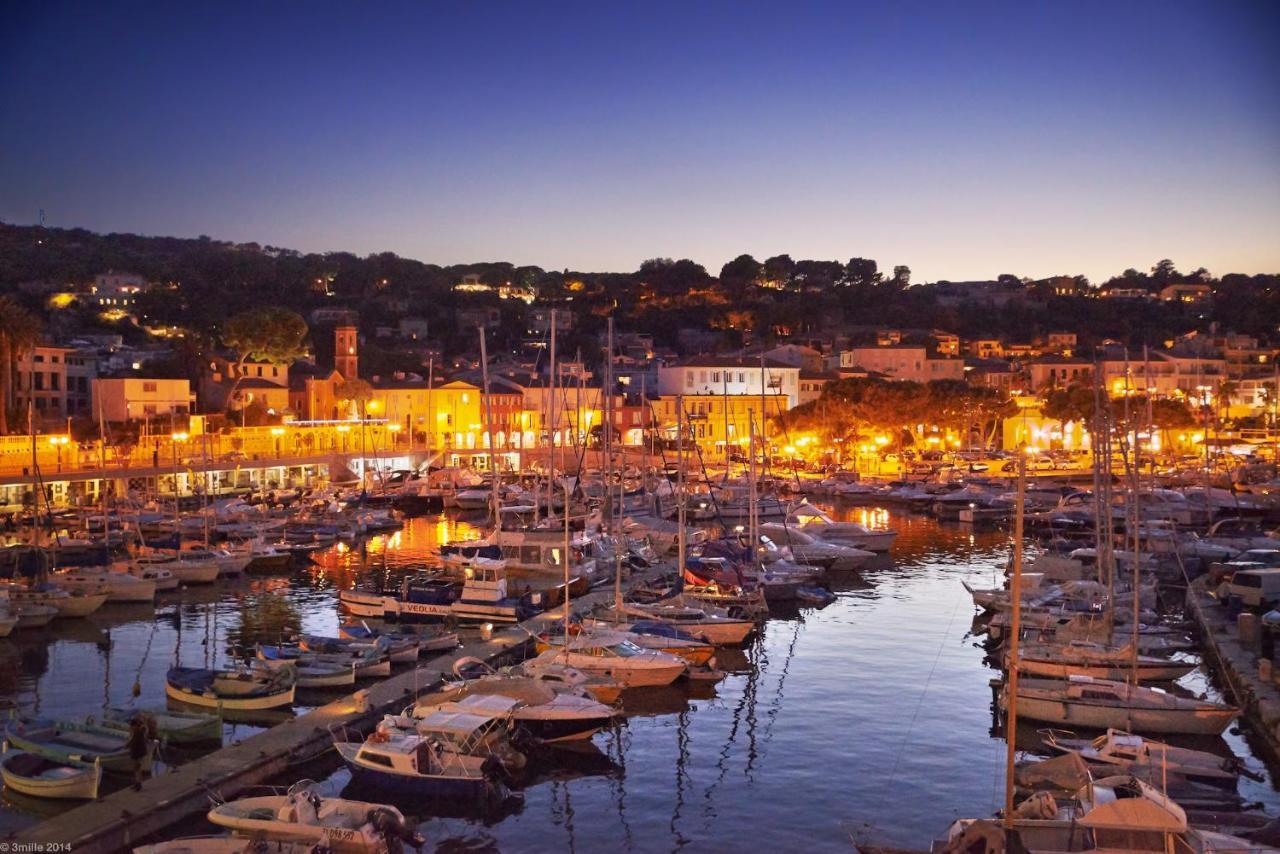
[(361, 700), (1247, 629)]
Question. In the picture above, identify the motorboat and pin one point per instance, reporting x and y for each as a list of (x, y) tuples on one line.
[(41, 777), (615, 656), (1241, 534), (120, 586), (184, 566), (548, 712), (1117, 750), (650, 634), (1083, 701), (239, 690), (484, 597), (404, 763), (303, 815), (67, 603), (422, 599), (562, 678), (811, 549), (163, 579), (701, 623), (1111, 814)]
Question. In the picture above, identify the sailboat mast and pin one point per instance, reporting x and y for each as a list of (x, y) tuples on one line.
[(1015, 629), (680, 487), (751, 486), (551, 420), (488, 429), (615, 525)]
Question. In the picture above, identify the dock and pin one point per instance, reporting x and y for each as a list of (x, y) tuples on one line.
[(119, 821), (1232, 646)]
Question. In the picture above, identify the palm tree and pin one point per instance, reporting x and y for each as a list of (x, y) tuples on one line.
[(19, 331), (1227, 392)]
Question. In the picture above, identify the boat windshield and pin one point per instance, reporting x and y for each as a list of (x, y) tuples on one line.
[(626, 649)]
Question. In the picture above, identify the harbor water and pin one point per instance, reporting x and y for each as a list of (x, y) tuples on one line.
[(870, 719)]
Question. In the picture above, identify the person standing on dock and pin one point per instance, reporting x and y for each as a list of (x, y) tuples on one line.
[(139, 746)]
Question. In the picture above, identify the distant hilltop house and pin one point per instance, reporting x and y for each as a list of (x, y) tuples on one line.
[(117, 290), (1191, 292), (472, 283)]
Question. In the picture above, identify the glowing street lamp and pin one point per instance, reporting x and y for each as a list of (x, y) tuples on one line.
[(277, 432), (58, 442)]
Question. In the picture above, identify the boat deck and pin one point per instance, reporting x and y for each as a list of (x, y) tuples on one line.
[(119, 821)]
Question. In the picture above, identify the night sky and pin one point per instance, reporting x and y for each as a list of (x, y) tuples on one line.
[(962, 139)]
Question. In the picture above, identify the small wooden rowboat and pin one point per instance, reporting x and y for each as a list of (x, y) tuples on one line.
[(41, 777), (231, 690)]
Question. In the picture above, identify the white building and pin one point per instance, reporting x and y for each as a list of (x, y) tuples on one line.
[(130, 399), (721, 375)]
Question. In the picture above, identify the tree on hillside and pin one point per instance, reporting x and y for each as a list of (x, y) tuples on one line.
[(268, 334), (861, 272), (740, 273), (901, 276), (19, 331), (779, 270), (1164, 272)]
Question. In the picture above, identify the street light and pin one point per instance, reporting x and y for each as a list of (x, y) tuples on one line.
[(58, 442), (277, 432)]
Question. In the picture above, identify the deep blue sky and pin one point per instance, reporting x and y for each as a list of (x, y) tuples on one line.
[(962, 139)]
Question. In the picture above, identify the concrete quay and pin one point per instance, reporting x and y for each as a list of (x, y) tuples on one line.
[(1232, 645), (118, 821)]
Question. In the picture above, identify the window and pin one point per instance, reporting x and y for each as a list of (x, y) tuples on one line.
[(259, 370), (715, 376), (148, 409), (39, 381), (742, 378), (53, 359), (688, 379), (702, 376), (148, 388), (54, 382), (37, 358)]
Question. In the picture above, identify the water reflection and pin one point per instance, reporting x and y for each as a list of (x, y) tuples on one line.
[(876, 708)]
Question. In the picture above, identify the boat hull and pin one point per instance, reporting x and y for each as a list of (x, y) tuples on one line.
[(1102, 717), (80, 783), (450, 788), (231, 704)]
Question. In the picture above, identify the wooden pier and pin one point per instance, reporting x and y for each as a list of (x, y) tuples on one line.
[(1237, 660), (119, 821)]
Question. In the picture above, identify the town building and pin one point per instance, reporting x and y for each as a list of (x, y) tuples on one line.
[(57, 381), (911, 362), (121, 399), (225, 384), (733, 376), (1050, 372)]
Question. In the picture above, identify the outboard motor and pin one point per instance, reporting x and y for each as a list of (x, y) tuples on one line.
[(393, 830)]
